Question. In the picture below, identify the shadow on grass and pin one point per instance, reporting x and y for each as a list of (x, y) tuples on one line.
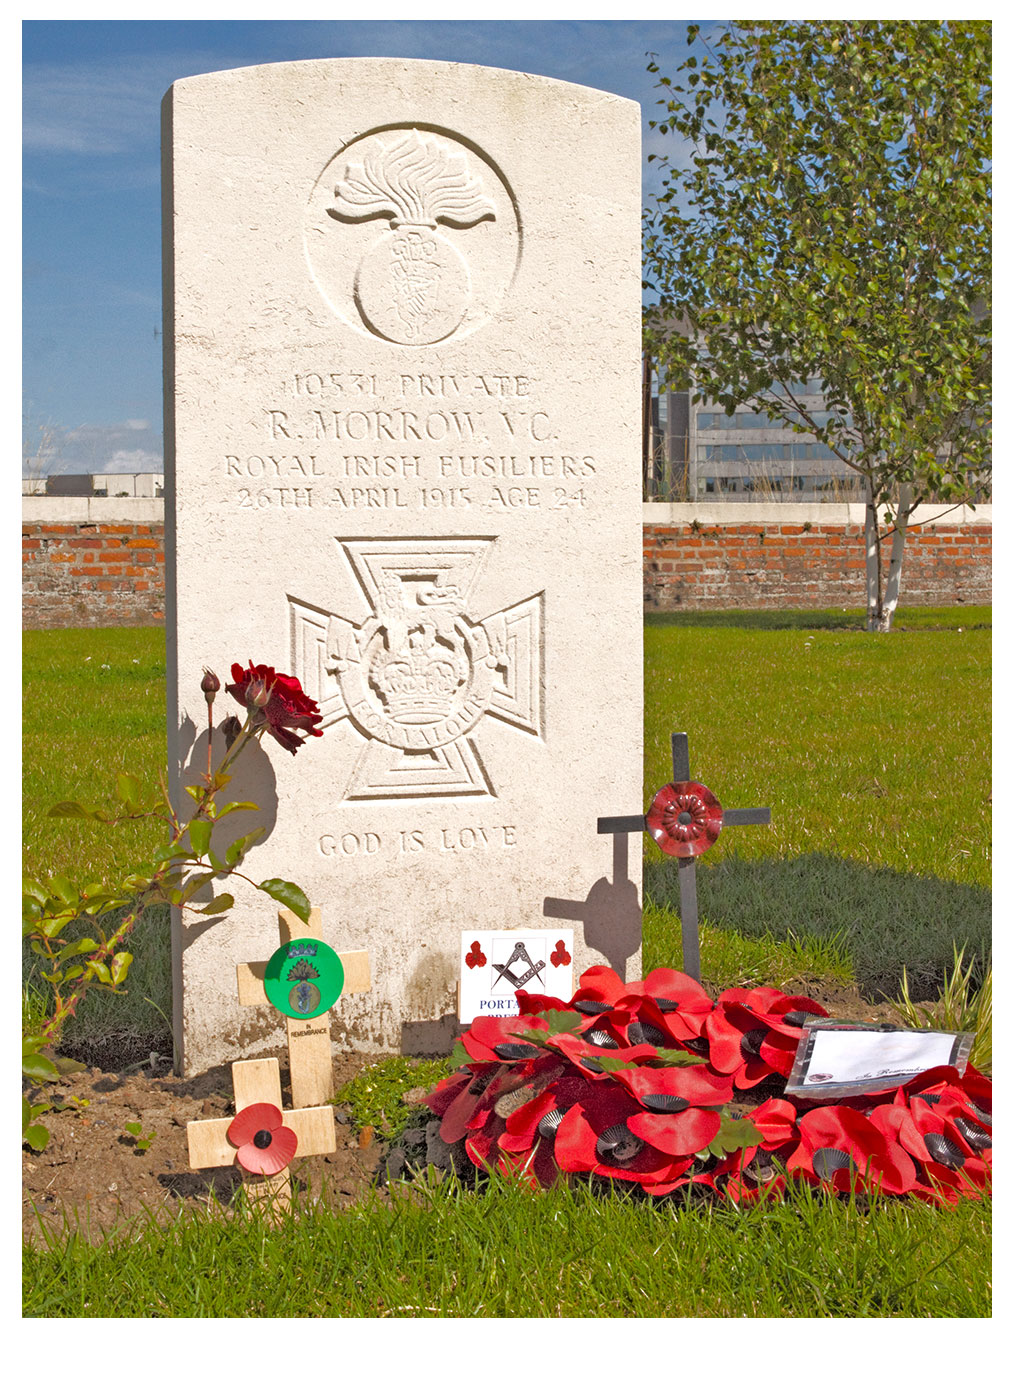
[(967, 617), (885, 919)]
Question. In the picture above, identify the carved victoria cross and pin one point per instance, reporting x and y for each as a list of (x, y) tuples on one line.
[(418, 674), (685, 819)]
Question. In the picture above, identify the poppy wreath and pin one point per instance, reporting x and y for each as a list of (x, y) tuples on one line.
[(636, 1083)]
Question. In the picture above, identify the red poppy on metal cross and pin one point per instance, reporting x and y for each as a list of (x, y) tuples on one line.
[(685, 819)]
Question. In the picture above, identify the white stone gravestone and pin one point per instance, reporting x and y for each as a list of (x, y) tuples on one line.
[(403, 447)]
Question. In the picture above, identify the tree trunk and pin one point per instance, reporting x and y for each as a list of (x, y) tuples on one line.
[(904, 507), (872, 560)]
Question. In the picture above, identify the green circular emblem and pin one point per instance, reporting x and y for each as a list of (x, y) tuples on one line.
[(304, 978)]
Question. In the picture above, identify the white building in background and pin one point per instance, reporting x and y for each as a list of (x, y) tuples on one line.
[(699, 454), (147, 485)]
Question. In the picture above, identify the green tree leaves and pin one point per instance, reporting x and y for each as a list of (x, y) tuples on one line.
[(829, 215)]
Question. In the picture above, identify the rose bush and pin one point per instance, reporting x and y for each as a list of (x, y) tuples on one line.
[(78, 929), (635, 1082)]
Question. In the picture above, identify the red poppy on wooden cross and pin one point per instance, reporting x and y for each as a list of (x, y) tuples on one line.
[(261, 1138), (685, 819)]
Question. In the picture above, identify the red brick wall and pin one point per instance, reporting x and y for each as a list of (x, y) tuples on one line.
[(802, 565), (103, 574), (92, 575)]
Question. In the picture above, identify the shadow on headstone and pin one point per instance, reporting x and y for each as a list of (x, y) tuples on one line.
[(427, 989), (610, 916), (884, 920), (253, 779), (425, 1039)]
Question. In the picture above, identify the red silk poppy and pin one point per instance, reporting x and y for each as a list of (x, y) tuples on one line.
[(947, 1133), (695, 1086), (598, 1099), (749, 1034), (685, 819), (280, 699), (680, 1003), (496, 1037), (601, 1116), (532, 1003), (677, 1133), (263, 1144), (599, 984), (842, 1149)]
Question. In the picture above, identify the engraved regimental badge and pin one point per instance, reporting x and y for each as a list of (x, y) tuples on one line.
[(413, 286), (418, 674), (412, 234)]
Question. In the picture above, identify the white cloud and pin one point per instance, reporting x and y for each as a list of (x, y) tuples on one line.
[(136, 424), (88, 107), (109, 450), (132, 462)]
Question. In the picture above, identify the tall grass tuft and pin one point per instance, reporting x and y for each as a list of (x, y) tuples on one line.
[(964, 1005)]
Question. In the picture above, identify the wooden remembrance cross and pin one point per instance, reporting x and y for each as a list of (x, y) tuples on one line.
[(685, 819), (259, 1080)]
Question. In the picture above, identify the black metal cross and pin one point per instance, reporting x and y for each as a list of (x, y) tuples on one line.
[(685, 819)]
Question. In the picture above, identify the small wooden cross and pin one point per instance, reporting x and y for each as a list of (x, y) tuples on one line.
[(634, 824), (259, 1080), (310, 1045)]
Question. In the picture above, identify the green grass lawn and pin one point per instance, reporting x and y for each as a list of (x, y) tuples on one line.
[(93, 704), (874, 755), (444, 1251)]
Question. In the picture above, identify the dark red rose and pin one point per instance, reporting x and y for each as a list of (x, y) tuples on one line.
[(280, 699), (209, 685)]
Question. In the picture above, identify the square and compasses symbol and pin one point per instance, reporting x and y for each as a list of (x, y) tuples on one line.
[(519, 956)]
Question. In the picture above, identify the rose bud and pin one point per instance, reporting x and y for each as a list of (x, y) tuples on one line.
[(258, 694), (210, 685), (231, 727)]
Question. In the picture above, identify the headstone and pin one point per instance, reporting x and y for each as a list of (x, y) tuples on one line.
[(403, 419)]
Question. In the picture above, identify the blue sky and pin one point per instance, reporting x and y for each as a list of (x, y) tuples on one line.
[(92, 274)]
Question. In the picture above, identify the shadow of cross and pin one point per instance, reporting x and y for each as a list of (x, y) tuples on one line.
[(685, 819), (310, 1044)]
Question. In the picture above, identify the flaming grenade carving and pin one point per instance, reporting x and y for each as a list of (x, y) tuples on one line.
[(413, 285)]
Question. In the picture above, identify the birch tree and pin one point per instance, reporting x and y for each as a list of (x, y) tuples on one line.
[(827, 214)]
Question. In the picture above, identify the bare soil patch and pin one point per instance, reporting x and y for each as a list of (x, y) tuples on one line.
[(94, 1176)]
